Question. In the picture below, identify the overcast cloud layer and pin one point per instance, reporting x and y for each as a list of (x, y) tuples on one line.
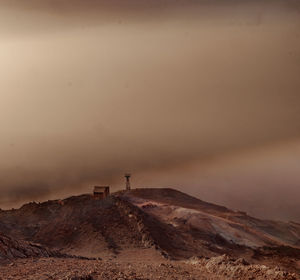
[(193, 94)]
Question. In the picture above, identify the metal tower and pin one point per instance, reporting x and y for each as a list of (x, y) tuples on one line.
[(127, 176)]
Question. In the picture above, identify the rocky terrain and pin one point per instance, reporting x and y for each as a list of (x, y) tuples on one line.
[(191, 214), (12, 249), (217, 268), (144, 234)]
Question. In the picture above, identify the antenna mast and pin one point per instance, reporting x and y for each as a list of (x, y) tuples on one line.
[(127, 176)]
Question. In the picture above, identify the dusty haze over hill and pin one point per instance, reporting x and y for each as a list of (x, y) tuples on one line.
[(200, 95)]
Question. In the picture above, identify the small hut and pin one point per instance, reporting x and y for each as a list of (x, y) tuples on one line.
[(101, 192)]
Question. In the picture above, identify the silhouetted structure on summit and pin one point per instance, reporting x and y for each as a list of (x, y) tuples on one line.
[(127, 176), (101, 192)]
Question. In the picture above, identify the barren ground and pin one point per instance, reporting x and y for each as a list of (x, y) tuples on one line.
[(74, 269)]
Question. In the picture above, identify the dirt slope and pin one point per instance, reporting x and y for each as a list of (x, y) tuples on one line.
[(74, 225)]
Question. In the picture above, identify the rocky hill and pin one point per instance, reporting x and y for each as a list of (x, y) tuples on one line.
[(171, 223)]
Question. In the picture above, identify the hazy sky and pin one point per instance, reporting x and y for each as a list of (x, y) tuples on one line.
[(200, 95)]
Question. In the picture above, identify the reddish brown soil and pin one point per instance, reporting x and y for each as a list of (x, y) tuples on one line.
[(74, 269)]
